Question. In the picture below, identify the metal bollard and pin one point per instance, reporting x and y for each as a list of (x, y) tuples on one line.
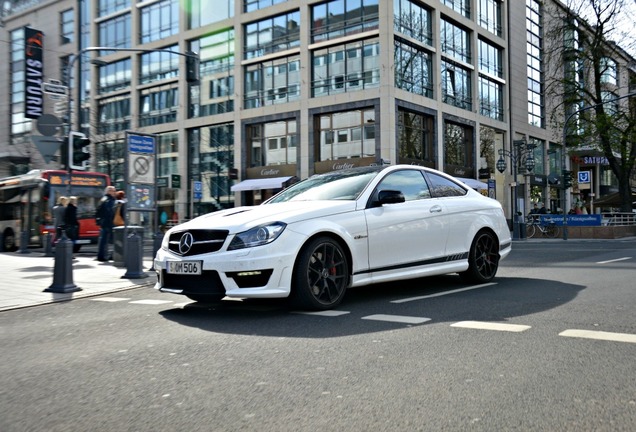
[(156, 245), (48, 245), (63, 271), (24, 242), (134, 258)]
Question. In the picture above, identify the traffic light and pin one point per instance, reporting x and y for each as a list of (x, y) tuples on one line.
[(567, 179), (79, 151), (192, 67)]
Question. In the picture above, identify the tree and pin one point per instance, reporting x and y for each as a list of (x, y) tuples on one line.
[(590, 78)]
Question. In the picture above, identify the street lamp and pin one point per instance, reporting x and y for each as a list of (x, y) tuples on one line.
[(520, 150)]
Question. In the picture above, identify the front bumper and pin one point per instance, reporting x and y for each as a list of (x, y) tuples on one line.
[(259, 272)]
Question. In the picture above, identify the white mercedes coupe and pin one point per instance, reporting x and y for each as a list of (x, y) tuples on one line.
[(347, 228)]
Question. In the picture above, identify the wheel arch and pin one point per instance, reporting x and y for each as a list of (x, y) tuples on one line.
[(341, 242)]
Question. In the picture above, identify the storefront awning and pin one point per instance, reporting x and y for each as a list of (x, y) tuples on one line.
[(259, 184)]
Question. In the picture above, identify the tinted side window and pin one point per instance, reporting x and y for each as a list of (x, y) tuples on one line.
[(443, 187), (410, 182)]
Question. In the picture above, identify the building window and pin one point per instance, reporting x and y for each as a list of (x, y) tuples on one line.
[(456, 88), (608, 71), (272, 35), (252, 5), (459, 6), (67, 26), (534, 47), (490, 98), (490, 16), (346, 135), (158, 105), (490, 59), (215, 94), (107, 7), (413, 71), (343, 68), (159, 65), (413, 20), (272, 82), (159, 20), (416, 144), (455, 41), (115, 33), (339, 18), (273, 143), (114, 115), (115, 76), (458, 148), (204, 12)]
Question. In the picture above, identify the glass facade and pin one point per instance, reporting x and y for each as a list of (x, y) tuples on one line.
[(416, 143), (115, 76), (159, 20), (490, 16), (19, 123), (159, 65), (413, 20), (115, 32), (272, 35), (67, 26), (456, 85), (273, 143), (205, 12), (338, 18), (344, 68), (272, 82), (534, 45), (346, 135), (413, 69), (158, 105)]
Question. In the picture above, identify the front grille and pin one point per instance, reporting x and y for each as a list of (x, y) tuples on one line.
[(205, 241), (208, 282)]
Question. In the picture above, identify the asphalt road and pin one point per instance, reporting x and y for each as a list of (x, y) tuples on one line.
[(425, 355)]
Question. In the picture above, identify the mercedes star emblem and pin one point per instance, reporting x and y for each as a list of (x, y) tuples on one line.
[(185, 243)]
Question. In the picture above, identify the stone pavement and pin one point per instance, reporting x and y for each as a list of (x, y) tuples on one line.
[(25, 277)]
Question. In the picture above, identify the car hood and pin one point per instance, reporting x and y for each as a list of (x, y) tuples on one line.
[(239, 219)]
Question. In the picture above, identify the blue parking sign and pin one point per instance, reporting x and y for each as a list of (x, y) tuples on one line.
[(584, 176), (197, 189)]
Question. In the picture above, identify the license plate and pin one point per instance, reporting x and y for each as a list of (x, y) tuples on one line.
[(184, 267)]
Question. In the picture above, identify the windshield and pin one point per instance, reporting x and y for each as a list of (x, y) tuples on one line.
[(337, 185)]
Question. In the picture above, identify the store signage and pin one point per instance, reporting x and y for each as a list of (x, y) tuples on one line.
[(33, 73)]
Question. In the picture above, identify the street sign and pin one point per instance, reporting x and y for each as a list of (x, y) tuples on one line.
[(54, 89), (197, 190), (141, 169), (48, 146), (584, 177), (176, 181), (162, 181)]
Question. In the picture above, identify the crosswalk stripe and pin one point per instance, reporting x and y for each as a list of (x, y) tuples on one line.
[(327, 313), (439, 294), (599, 335), (150, 302), (481, 325), (110, 299), (397, 318)]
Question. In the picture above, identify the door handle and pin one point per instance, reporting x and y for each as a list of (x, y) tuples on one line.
[(435, 209)]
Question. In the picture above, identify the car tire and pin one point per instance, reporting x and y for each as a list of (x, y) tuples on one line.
[(483, 259), (321, 275)]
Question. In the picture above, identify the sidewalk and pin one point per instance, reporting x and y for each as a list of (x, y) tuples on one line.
[(26, 276)]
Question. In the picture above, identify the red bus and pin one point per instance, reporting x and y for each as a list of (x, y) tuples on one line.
[(27, 200)]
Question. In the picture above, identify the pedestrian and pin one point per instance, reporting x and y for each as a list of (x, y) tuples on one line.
[(104, 217), (119, 218), (70, 219), (543, 210), (58, 216)]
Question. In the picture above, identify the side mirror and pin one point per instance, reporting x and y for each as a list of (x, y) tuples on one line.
[(390, 197)]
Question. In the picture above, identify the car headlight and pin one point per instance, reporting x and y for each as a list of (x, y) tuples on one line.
[(257, 236)]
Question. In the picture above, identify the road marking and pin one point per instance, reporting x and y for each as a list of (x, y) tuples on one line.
[(327, 313), (614, 260), (150, 302), (110, 299), (480, 325), (397, 318), (443, 293), (600, 335)]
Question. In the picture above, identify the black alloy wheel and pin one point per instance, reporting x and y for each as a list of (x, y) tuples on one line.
[(321, 275), (483, 259)]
